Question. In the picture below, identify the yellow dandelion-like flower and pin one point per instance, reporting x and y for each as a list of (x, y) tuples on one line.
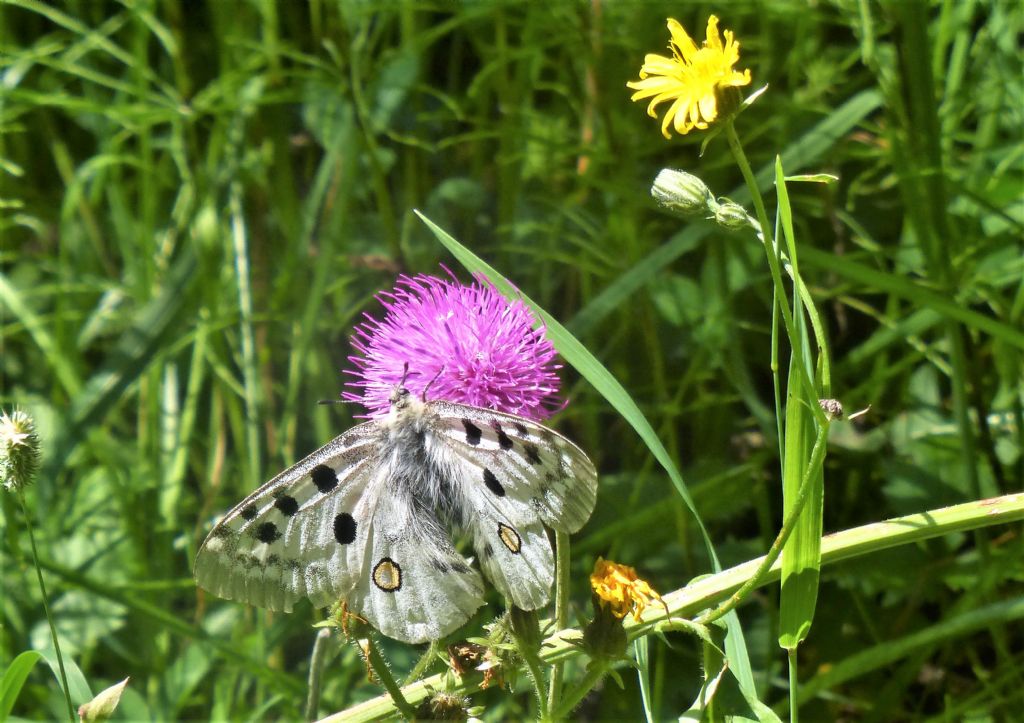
[(690, 78), (620, 589)]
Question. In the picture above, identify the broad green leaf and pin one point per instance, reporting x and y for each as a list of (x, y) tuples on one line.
[(14, 678)]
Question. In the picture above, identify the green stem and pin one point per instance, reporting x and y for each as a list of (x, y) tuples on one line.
[(316, 667), (700, 594), (595, 671), (804, 492), (46, 609), (537, 676), (383, 672), (423, 663), (561, 610), (794, 706), (773, 259)]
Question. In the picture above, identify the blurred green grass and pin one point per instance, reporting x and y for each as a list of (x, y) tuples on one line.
[(199, 200)]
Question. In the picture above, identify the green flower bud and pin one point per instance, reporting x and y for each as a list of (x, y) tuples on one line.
[(443, 706), (604, 638), (102, 706), (732, 216), (682, 193), (526, 629)]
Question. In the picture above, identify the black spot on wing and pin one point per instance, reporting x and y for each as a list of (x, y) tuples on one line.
[(504, 441), (286, 505), (492, 483), (532, 454), (344, 528), (521, 429), (473, 433), (267, 533), (324, 478), (249, 512)]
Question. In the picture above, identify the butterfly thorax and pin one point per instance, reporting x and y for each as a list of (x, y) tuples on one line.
[(416, 471)]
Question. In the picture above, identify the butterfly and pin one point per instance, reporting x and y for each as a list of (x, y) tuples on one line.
[(367, 519)]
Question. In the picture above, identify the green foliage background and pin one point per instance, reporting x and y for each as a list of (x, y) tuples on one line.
[(200, 199)]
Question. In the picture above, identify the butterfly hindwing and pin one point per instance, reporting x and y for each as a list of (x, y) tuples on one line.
[(515, 475), (415, 586), (523, 462), (290, 538)]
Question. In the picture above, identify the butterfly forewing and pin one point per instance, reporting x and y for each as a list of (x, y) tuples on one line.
[(290, 539)]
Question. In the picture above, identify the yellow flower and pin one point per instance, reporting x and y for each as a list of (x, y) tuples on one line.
[(620, 589), (689, 78)]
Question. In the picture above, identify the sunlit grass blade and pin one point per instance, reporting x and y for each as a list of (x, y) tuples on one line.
[(593, 371), (801, 556)]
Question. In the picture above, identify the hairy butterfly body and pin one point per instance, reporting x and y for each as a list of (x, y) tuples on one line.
[(367, 519)]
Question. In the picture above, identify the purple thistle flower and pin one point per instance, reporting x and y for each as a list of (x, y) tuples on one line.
[(483, 349)]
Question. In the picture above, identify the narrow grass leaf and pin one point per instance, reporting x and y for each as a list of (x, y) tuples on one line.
[(129, 358), (801, 556), (77, 684), (594, 372), (889, 652), (641, 651)]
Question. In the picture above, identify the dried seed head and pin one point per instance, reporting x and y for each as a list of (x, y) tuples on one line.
[(19, 450)]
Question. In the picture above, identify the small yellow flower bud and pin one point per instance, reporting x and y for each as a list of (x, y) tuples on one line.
[(19, 450), (682, 192)]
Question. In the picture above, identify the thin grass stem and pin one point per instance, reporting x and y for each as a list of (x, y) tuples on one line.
[(561, 610), (46, 609), (806, 485)]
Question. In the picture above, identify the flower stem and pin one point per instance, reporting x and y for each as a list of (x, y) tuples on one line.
[(595, 671), (806, 484), (561, 611), (383, 672), (46, 609), (773, 260), (533, 667), (422, 664), (316, 666)]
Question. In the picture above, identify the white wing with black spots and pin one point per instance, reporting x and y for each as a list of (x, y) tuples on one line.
[(288, 540), (367, 519), (416, 587), (536, 470)]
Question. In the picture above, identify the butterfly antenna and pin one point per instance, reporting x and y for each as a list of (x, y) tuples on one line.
[(337, 401), (405, 373), (439, 373)]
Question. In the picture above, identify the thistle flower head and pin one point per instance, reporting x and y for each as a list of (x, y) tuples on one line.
[(690, 78), (467, 341), (19, 450)]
